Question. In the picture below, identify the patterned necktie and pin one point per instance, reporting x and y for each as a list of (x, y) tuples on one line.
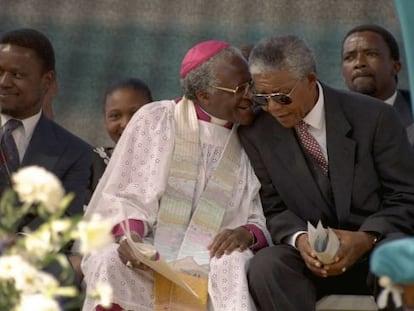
[(312, 146), (9, 154)]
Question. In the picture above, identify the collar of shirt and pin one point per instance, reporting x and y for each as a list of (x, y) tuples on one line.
[(23, 134), (391, 100), (204, 116), (316, 119)]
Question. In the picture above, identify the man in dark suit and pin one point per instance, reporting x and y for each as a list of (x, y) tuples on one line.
[(27, 80), (27, 71), (360, 182), (370, 65)]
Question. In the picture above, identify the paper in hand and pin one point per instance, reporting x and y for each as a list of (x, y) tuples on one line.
[(324, 242), (148, 255)]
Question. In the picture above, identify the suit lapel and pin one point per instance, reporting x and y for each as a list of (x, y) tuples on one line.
[(341, 153), (287, 150), (403, 107), (44, 148)]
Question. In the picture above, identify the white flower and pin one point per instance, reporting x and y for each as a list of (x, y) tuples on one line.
[(60, 226), (27, 278), (35, 184), (21, 263), (37, 302), (104, 292), (9, 265), (94, 234), (38, 244), (46, 239)]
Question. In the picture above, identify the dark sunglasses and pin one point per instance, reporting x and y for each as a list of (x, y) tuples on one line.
[(280, 98)]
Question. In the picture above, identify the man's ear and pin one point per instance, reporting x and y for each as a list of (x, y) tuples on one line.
[(312, 77), (203, 98), (396, 67), (48, 79)]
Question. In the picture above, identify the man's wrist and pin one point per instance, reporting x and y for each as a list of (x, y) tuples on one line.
[(299, 237), (252, 237), (372, 238), (120, 239)]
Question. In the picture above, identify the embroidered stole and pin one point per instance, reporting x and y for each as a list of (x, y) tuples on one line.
[(178, 229), (180, 232)]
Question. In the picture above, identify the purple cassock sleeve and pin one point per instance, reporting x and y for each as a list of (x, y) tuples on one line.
[(135, 225)]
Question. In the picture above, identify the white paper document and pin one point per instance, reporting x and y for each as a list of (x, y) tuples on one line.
[(148, 255), (324, 242)]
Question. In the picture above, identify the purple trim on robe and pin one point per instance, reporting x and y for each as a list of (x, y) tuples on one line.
[(114, 307), (258, 234), (203, 116), (134, 225)]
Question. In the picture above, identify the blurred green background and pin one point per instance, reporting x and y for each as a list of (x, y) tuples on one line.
[(98, 41)]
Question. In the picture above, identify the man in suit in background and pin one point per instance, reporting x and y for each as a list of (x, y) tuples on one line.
[(321, 154), (370, 65), (27, 71)]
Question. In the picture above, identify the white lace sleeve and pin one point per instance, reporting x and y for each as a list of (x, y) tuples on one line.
[(137, 172)]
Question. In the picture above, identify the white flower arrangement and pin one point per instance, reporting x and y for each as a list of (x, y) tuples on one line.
[(34, 184), (90, 234), (23, 257)]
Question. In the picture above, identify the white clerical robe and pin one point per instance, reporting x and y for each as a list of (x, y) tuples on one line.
[(132, 185)]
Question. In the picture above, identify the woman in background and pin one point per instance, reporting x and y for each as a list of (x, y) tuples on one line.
[(122, 99)]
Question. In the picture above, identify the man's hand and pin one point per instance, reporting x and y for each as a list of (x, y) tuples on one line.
[(354, 245), (126, 254), (309, 257), (230, 239)]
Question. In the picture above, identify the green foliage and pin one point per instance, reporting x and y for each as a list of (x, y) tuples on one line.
[(9, 296)]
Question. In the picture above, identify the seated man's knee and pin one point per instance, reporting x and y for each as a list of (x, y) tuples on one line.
[(273, 259)]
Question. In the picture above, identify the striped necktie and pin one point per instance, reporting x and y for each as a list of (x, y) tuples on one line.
[(10, 160), (312, 146)]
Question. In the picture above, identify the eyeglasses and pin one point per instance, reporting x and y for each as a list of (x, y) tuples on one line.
[(240, 90), (280, 98)]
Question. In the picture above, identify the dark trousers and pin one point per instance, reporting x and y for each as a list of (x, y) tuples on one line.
[(280, 281)]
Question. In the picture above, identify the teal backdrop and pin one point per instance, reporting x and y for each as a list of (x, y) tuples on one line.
[(405, 10), (97, 41)]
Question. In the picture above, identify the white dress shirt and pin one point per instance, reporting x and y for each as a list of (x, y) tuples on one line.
[(391, 100), (317, 128)]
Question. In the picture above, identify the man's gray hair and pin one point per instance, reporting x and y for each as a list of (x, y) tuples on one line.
[(203, 78), (282, 53)]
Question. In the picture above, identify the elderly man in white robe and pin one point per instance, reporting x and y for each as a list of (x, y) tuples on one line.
[(180, 181)]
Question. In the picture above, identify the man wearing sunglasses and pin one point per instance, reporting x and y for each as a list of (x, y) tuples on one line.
[(321, 155), (181, 180)]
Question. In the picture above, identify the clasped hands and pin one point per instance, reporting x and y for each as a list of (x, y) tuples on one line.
[(353, 246)]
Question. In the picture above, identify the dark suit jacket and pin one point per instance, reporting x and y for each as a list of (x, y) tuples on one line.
[(403, 106), (371, 169), (63, 154), (97, 169)]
